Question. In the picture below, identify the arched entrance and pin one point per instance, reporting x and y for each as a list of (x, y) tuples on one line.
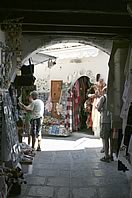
[(33, 44), (83, 77)]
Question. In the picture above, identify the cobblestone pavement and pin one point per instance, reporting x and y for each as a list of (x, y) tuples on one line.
[(74, 171)]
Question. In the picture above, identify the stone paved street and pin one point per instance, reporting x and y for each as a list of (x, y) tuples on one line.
[(71, 168)]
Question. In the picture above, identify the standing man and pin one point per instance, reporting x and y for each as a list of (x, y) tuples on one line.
[(105, 130), (27, 123), (37, 110)]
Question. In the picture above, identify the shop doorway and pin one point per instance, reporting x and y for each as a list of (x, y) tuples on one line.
[(79, 97)]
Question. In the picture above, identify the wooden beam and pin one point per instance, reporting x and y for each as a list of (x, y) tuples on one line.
[(67, 11)]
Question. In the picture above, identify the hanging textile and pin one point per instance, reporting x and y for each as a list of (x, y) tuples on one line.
[(68, 118), (84, 84), (88, 111), (127, 94), (125, 74), (125, 153), (48, 105), (96, 118), (76, 101)]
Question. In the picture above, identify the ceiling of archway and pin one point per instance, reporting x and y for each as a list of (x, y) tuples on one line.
[(107, 18), (70, 50), (73, 51)]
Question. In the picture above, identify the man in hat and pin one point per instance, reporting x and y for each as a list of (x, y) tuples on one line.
[(37, 110)]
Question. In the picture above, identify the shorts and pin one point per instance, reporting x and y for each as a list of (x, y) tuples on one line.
[(105, 130), (36, 127)]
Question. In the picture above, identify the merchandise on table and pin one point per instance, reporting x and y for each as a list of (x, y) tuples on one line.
[(53, 126)]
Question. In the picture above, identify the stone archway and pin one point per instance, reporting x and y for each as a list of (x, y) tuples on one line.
[(32, 44)]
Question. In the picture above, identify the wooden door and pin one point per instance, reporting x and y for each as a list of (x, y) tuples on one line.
[(56, 87)]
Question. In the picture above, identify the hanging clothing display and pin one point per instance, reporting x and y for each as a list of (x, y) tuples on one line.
[(84, 84), (69, 110), (48, 105), (125, 153), (76, 101), (89, 105), (94, 93), (88, 111), (127, 94), (10, 127), (96, 118)]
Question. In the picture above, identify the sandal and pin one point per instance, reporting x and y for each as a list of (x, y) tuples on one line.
[(111, 158), (102, 150), (38, 148), (104, 159)]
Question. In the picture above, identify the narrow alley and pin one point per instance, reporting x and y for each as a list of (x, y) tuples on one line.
[(71, 168), (66, 99)]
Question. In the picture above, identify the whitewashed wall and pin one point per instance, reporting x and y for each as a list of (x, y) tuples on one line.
[(65, 68)]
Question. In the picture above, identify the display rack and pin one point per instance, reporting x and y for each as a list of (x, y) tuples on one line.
[(9, 144), (1, 116), (11, 135)]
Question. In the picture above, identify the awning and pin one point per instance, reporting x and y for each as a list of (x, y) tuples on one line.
[(39, 58)]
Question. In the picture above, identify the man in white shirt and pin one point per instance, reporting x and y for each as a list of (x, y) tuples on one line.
[(37, 111)]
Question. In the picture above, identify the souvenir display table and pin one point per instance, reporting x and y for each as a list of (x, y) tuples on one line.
[(53, 126)]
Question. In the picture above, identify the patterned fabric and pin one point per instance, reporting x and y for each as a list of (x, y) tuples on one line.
[(96, 118), (68, 118), (76, 101), (127, 95), (48, 105)]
